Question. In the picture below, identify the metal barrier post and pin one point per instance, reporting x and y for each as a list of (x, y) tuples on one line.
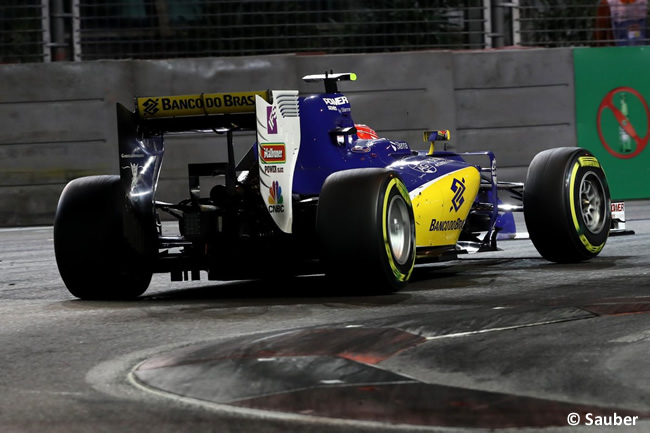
[(45, 25), (487, 34), (516, 23), (76, 31), (58, 44), (497, 24)]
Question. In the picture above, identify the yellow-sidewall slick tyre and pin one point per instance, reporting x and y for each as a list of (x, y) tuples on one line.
[(366, 230), (567, 205)]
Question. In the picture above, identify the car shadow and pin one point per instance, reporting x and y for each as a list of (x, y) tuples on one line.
[(311, 289)]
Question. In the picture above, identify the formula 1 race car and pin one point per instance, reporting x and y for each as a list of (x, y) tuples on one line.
[(316, 193)]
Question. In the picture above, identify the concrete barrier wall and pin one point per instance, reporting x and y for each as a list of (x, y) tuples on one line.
[(59, 119), (515, 103)]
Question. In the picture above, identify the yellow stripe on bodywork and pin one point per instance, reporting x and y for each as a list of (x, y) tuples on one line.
[(437, 221), (197, 105)]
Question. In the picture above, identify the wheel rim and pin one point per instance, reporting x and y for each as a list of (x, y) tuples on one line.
[(399, 233), (593, 203)]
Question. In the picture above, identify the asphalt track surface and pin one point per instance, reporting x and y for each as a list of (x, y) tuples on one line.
[(493, 341)]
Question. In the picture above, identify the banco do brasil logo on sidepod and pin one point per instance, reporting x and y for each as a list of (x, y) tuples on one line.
[(275, 198), (457, 187)]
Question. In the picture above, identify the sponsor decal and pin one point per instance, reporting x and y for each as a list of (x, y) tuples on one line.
[(271, 169), (430, 165), (193, 103), (341, 100), (618, 207), (457, 187), (131, 155), (446, 225), (618, 214), (151, 106), (399, 145), (134, 173), (425, 167), (276, 200), (439, 162), (201, 104), (273, 153), (271, 120)]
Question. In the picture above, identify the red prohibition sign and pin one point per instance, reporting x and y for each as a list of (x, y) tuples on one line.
[(624, 122)]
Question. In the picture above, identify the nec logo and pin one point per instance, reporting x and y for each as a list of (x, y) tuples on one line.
[(151, 106)]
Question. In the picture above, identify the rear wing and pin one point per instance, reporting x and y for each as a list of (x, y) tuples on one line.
[(140, 141), (204, 111), (274, 115)]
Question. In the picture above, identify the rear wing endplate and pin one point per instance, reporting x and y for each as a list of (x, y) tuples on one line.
[(278, 144)]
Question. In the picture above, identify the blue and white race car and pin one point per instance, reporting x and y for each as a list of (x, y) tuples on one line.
[(316, 193)]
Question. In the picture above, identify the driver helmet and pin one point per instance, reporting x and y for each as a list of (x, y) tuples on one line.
[(364, 132)]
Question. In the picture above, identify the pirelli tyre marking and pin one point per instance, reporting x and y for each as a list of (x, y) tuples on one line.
[(587, 184), (395, 214)]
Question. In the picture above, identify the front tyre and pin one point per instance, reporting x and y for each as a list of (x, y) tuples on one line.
[(366, 230), (93, 257), (567, 205)]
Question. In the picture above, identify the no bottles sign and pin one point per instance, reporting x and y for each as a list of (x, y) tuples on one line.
[(629, 140), (612, 92)]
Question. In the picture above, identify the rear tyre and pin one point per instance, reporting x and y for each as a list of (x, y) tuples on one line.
[(567, 205), (366, 230), (94, 259)]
